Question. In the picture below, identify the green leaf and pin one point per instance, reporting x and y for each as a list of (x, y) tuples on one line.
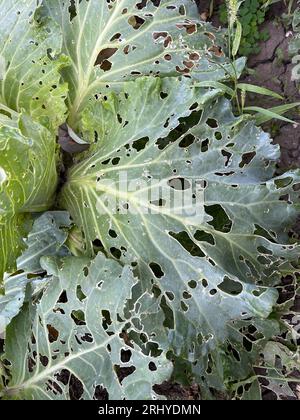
[(47, 237), (268, 114), (237, 38), (278, 110), (12, 231), (213, 265), (28, 180), (258, 89), (49, 334), (30, 76), (109, 43)]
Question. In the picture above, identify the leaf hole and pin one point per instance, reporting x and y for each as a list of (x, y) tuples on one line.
[(156, 270)]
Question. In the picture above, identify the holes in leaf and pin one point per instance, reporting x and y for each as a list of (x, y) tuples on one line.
[(212, 123), (204, 282), (187, 141), (125, 355), (116, 252), (218, 135), (162, 37), (183, 70), (230, 286), (140, 144), (115, 37), (283, 182), (212, 292), (253, 272), (246, 159), (227, 155), (106, 65), (156, 270), (74, 385), (186, 295), (182, 10), (192, 284), (163, 95), (115, 161), (136, 21), (106, 320), (264, 250), (103, 58), (100, 393), (44, 360), (204, 145), (88, 338), (52, 333), (166, 125), (112, 233), (202, 236), (209, 365), (247, 344), (98, 244), (184, 306), (152, 366), (187, 243), (79, 293), (78, 317), (263, 260), (260, 231), (234, 352), (124, 372), (63, 297), (168, 312), (170, 296), (221, 221)]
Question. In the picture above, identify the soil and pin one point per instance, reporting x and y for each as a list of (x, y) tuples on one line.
[(273, 69)]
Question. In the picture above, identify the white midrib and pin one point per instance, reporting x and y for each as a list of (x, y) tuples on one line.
[(84, 81)]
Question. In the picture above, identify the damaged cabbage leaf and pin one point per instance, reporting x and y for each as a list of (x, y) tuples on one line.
[(196, 208), (78, 331), (110, 42), (29, 70)]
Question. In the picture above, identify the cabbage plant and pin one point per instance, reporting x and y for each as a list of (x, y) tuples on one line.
[(155, 250)]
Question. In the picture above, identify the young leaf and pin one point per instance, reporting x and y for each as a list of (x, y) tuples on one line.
[(82, 335), (258, 89), (267, 114), (278, 110), (237, 38)]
